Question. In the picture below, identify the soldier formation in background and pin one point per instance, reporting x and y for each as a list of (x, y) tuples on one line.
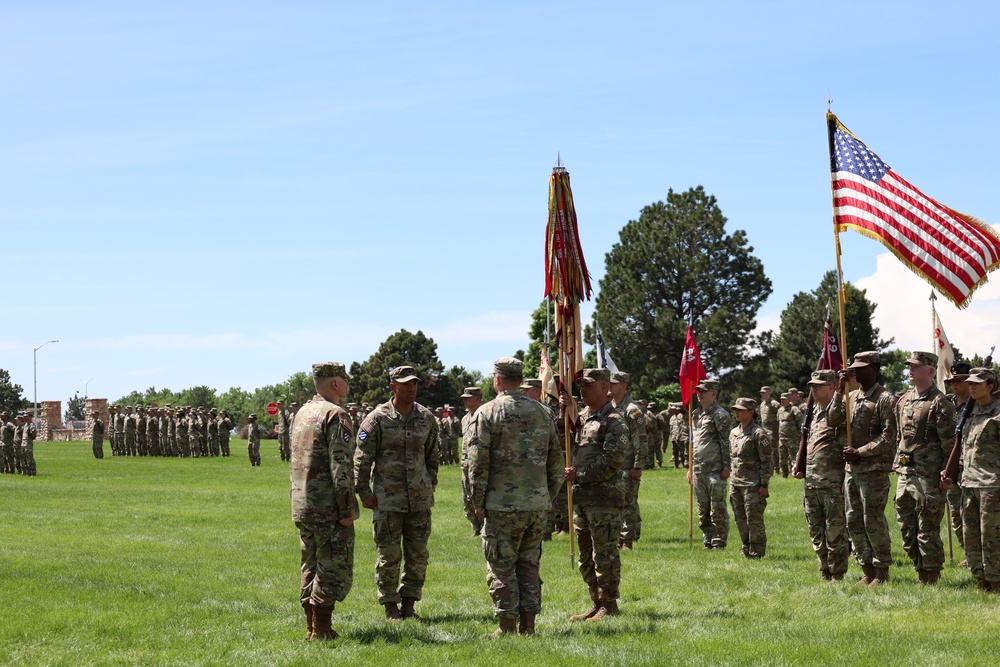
[(184, 432), (17, 444)]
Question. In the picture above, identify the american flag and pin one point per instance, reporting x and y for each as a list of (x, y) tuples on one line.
[(952, 251)]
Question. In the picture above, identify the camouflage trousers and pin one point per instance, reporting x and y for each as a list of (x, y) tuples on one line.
[(597, 531), (920, 506), (826, 519), (512, 543), (867, 494), (748, 514), (194, 445), (631, 528), (772, 433), (28, 458), (787, 449), (7, 459), (327, 563), (680, 452), (98, 446), (981, 515), (956, 499), (713, 517), (401, 537), (253, 451), (284, 446), (120, 440), (130, 444), (213, 444), (470, 512), (654, 453), (557, 516), (224, 444)]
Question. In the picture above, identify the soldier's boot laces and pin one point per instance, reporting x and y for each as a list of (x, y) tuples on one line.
[(321, 623), (406, 609), (869, 575), (392, 612), (608, 608), (308, 609), (526, 624), (508, 626)]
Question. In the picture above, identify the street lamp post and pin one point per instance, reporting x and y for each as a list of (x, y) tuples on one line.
[(34, 406), (85, 383)]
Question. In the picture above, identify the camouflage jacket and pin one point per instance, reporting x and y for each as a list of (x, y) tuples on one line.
[(130, 424), (926, 432), (769, 414), (653, 433), (825, 447), (153, 427), (18, 434), (873, 429), (97, 430), (466, 423), (181, 429), (636, 421), (750, 450), (225, 427), (455, 425), (981, 447), (598, 453), (711, 439), (789, 422), (322, 467), (401, 453), (140, 425), (515, 461), (7, 433), (254, 431), (29, 433), (444, 432), (170, 426), (213, 427), (118, 423), (282, 420), (679, 428)]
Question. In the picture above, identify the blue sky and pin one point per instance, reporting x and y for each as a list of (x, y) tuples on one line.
[(222, 193)]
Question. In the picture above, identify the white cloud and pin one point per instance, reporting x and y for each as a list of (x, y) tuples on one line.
[(493, 327)]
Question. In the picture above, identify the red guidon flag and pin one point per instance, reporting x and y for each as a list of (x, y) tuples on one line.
[(832, 358), (952, 251), (692, 370)]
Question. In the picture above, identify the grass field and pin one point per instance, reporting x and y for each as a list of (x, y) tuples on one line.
[(188, 562)]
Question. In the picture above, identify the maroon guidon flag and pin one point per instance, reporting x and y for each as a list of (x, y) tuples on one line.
[(692, 370)]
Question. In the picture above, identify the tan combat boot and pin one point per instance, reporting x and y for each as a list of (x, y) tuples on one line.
[(608, 608), (392, 612), (590, 612), (931, 577), (526, 624), (869, 575), (508, 626), (881, 576), (321, 623), (308, 609), (406, 609)]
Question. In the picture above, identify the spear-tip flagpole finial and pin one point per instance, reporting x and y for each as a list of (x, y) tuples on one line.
[(933, 296), (829, 101), (559, 163)]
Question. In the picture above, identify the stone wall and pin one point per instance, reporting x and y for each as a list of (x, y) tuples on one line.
[(49, 420), (101, 405)]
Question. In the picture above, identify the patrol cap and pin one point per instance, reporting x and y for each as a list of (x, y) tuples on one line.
[(471, 392), (438, 411), (508, 367), (281, 400), (765, 388), (531, 383), (676, 406), (652, 404), (823, 377), (982, 375), (591, 375), (4, 414), (328, 369), (793, 390), (744, 403), (960, 371), (403, 374), (922, 359), (294, 404), (864, 359), (785, 396), (252, 415), (619, 377), (352, 405), (708, 385), (93, 412)]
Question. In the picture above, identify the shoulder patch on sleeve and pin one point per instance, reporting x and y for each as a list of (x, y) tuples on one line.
[(367, 426)]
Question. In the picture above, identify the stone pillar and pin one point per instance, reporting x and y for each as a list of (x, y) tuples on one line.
[(101, 405), (50, 419)]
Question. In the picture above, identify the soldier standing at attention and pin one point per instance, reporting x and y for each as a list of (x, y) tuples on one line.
[(97, 434), (253, 439), (7, 443), (824, 476), (769, 420), (129, 423), (926, 421), (183, 446), (283, 431), (28, 435), (595, 473), (789, 431), (869, 461), (711, 465), (116, 430), (472, 398), (153, 432), (516, 465), (140, 431), (960, 393), (456, 433), (679, 435), (213, 433), (324, 506), (18, 436), (532, 388), (398, 451), (981, 485), (635, 457), (225, 426), (750, 453)]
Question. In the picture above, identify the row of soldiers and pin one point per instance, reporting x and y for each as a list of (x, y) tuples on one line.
[(17, 444), (167, 431)]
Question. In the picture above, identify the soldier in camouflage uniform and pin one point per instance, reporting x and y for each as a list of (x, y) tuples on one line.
[(213, 433), (654, 437), (789, 432), (869, 461), (981, 481), (557, 516), (18, 435), (398, 447), (472, 398), (769, 420), (172, 420), (824, 476), (129, 423), (97, 434), (926, 421), (225, 426), (598, 452), (116, 429), (153, 432), (324, 506), (254, 432), (28, 435), (516, 465), (456, 434), (443, 435), (282, 420), (960, 393), (751, 459), (140, 431), (712, 425), (635, 456), (679, 435), (7, 443)]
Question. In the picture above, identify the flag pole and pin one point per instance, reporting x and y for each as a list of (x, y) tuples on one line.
[(831, 124), (934, 346), (690, 472), (566, 372)]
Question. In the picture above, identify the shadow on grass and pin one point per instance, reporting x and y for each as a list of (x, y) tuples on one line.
[(392, 635), (456, 617)]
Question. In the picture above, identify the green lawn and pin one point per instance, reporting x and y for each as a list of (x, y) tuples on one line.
[(195, 561)]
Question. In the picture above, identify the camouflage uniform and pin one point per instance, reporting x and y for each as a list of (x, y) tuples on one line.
[(165, 448), (213, 435), (129, 423), (679, 437), (653, 453), (769, 420), (873, 430), (926, 436), (7, 443), (400, 454), (283, 424), (18, 435), (28, 435), (142, 445), (118, 434), (97, 437), (253, 440), (183, 444), (824, 482), (172, 426), (981, 487), (954, 495), (515, 467), (470, 514), (634, 457), (750, 456), (598, 498), (153, 434), (789, 432), (225, 425), (711, 457), (322, 490)]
